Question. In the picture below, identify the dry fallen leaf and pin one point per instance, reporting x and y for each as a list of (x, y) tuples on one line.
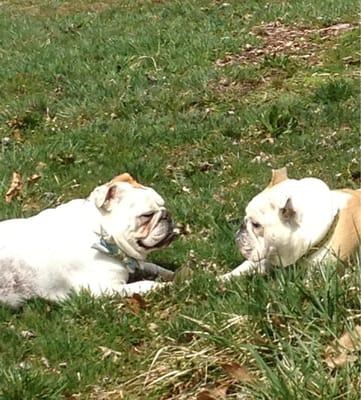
[(238, 372), (342, 351), (217, 393), (182, 229), (31, 205), (183, 274), (136, 303), (17, 135), (34, 178), (15, 187)]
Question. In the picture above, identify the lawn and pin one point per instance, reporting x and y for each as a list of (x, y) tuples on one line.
[(198, 99)]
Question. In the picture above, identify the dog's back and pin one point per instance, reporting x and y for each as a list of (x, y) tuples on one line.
[(346, 239)]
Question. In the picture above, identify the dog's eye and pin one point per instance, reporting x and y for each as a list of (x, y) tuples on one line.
[(256, 225), (144, 218)]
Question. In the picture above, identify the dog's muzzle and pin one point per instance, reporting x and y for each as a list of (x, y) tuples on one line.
[(171, 234), (166, 219), (240, 233), (243, 241)]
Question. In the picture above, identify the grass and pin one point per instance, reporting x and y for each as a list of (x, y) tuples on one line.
[(177, 94)]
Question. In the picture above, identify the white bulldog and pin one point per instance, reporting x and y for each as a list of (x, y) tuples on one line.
[(91, 244), (292, 219)]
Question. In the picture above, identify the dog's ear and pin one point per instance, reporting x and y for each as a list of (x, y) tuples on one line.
[(102, 196), (278, 175), (288, 212)]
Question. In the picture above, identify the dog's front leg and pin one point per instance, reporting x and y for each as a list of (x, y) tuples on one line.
[(247, 268), (155, 270)]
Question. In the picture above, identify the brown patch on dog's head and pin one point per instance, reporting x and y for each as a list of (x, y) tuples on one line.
[(103, 195), (278, 175), (125, 178)]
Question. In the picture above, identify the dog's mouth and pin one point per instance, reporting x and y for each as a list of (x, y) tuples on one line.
[(247, 245), (164, 242)]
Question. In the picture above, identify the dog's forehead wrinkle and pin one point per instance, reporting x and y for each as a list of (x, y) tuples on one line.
[(260, 205), (143, 200), (153, 196)]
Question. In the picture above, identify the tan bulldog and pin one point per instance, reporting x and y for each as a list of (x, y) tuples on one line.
[(293, 219)]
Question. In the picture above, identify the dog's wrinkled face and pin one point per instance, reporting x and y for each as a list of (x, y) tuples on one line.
[(285, 220), (265, 231), (134, 216)]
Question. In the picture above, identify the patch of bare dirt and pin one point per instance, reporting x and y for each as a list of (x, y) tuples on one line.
[(283, 40), (235, 88)]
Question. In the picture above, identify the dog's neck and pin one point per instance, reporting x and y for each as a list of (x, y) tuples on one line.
[(106, 245), (325, 239), (308, 240)]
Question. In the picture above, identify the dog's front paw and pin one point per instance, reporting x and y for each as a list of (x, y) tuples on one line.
[(247, 268), (141, 287)]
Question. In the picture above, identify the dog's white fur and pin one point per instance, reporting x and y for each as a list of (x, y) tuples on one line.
[(292, 219), (50, 254)]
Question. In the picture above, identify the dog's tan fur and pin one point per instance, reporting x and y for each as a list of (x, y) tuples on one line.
[(125, 178), (278, 176), (346, 237)]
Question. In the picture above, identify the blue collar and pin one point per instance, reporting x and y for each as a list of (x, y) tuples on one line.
[(112, 249)]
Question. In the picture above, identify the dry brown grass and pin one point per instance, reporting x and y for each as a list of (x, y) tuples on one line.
[(278, 39)]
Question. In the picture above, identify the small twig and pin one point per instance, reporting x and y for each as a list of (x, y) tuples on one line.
[(141, 58), (158, 353), (173, 374), (200, 323)]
